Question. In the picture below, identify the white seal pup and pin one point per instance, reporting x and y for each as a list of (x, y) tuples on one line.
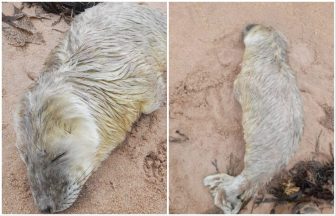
[(272, 117), (108, 70)]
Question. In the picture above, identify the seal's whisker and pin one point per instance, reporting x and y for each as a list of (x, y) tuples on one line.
[(83, 174), (79, 182)]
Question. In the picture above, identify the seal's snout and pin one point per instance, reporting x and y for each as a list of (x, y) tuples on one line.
[(46, 206), (249, 27), (47, 210)]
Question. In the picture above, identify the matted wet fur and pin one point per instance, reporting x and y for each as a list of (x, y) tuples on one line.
[(272, 117), (107, 71)]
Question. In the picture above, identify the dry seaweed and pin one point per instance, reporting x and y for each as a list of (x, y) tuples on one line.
[(308, 182), (306, 179), (234, 166), (179, 137), (19, 29), (66, 10), (328, 120)]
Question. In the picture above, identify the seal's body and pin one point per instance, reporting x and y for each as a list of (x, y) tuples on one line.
[(108, 70), (272, 117)]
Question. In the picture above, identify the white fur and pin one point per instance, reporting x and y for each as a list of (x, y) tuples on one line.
[(108, 70)]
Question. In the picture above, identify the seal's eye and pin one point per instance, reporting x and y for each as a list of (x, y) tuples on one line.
[(58, 157)]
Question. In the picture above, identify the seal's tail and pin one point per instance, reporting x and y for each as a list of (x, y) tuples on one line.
[(225, 190)]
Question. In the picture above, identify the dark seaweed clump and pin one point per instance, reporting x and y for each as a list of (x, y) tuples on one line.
[(66, 8), (307, 179)]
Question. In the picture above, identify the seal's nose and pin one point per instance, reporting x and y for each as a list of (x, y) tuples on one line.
[(47, 210)]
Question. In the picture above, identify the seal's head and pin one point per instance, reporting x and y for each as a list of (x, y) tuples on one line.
[(260, 35), (57, 140)]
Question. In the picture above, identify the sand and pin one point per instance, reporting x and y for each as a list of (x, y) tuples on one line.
[(127, 182), (205, 120)]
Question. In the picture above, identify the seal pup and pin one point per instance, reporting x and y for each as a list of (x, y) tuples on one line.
[(272, 119), (107, 71)]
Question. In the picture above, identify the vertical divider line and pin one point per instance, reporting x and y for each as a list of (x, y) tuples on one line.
[(167, 89)]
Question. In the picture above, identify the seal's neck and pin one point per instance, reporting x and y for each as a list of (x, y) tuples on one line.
[(267, 53)]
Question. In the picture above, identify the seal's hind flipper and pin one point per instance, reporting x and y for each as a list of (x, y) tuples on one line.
[(223, 189)]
